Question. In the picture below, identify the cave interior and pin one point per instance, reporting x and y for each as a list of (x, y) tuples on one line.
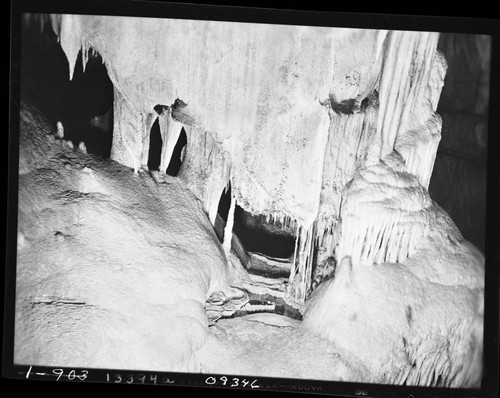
[(266, 247)]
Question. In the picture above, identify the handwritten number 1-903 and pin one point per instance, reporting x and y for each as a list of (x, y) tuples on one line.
[(71, 375)]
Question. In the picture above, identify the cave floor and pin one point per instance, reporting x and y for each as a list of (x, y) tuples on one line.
[(272, 345)]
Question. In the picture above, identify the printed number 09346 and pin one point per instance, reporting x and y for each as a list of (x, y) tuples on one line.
[(234, 382)]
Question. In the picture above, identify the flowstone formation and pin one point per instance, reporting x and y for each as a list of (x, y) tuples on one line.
[(328, 132), (320, 102)]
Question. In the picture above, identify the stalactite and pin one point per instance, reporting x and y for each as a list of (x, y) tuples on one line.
[(170, 131), (128, 148), (206, 167), (383, 225), (419, 147), (228, 230), (71, 40), (217, 176), (148, 124), (85, 54), (408, 54), (300, 273)]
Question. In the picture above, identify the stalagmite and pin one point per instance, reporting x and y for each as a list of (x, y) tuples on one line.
[(59, 130), (82, 147)]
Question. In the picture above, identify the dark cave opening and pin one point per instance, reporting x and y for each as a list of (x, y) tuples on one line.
[(84, 104), (155, 148), (155, 143), (260, 239), (177, 155), (255, 234), (458, 182), (224, 203)]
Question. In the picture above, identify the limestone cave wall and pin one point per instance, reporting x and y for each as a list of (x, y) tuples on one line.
[(364, 146)]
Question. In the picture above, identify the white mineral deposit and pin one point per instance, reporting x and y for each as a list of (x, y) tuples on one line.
[(327, 136)]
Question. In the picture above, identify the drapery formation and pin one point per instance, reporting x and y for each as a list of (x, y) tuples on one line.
[(286, 114)]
